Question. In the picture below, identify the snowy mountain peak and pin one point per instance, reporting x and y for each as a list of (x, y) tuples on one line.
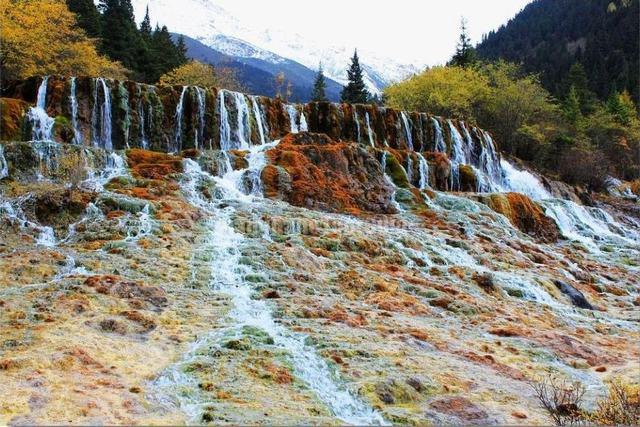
[(212, 25)]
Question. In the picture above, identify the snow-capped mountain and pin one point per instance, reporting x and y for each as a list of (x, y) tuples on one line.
[(212, 25)]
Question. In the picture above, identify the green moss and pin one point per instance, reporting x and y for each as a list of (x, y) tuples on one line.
[(241, 344), (517, 293), (255, 278), (396, 172)]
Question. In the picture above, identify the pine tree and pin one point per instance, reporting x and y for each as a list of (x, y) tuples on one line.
[(318, 94), (578, 80), (355, 92), (571, 107), (120, 37), (465, 52), (87, 15), (145, 26), (622, 107)]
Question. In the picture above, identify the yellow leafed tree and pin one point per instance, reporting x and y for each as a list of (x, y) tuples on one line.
[(204, 75), (41, 37)]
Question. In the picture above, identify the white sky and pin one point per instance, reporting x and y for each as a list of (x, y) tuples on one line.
[(408, 30)]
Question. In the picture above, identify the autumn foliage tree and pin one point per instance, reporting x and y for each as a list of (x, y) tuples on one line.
[(41, 37), (195, 73)]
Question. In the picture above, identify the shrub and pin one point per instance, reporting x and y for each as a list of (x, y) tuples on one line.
[(561, 399), (620, 407)]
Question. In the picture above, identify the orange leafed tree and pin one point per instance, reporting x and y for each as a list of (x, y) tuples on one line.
[(41, 37)]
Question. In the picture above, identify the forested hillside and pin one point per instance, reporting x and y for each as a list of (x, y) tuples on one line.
[(549, 36)]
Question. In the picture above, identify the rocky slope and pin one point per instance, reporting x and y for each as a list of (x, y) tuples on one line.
[(292, 265)]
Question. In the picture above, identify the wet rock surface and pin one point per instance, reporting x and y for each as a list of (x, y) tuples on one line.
[(312, 171), (379, 273)]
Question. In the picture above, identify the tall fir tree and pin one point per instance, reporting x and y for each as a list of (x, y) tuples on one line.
[(87, 15), (318, 94), (578, 80), (465, 52), (120, 37), (145, 26), (355, 92)]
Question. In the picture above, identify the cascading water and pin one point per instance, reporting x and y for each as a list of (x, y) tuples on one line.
[(225, 129), (407, 130), (101, 116), (576, 222), (257, 112), (41, 123), (177, 137), (458, 156), (369, 131), (4, 167), (490, 160), (439, 143), (144, 142), (383, 163), (409, 169), (293, 118), (522, 181), (45, 235), (73, 104), (243, 131), (356, 121), (202, 109), (304, 127), (423, 167), (226, 275)]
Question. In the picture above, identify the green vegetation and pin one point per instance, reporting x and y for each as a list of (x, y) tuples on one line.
[(596, 138), (203, 75), (318, 94), (550, 36), (355, 91), (41, 37)]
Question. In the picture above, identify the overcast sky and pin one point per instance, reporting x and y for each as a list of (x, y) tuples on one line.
[(409, 30)]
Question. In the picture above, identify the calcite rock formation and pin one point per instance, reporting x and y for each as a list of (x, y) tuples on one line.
[(313, 171), (524, 214)]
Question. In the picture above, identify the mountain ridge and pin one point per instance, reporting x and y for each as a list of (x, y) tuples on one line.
[(205, 21)]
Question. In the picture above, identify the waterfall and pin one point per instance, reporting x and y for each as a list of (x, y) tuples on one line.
[(144, 142), (424, 172), (383, 163), (407, 130), (177, 138), (46, 236), (409, 168), (369, 132), (357, 123), (202, 109), (4, 167), (440, 145), (223, 252), (457, 152), (490, 160), (257, 112), (304, 127), (522, 181), (101, 116), (244, 123), (73, 103), (293, 117), (41, 123), (457, 155), (225, 129)]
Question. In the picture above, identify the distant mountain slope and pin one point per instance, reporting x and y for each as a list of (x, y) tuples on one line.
[(258, 75), (548, 36), (212, 25)]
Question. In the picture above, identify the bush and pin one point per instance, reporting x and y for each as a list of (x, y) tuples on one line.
[(561, 399), (620, 407)]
